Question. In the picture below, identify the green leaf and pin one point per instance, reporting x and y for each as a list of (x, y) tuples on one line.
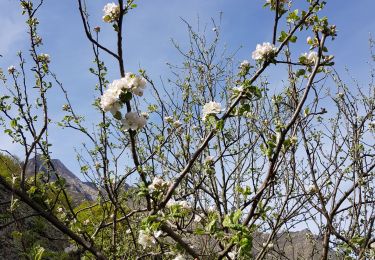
[(220, 125), (13, 123), (300, 72)]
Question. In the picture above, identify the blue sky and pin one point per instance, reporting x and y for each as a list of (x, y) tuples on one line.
[(148, 32)]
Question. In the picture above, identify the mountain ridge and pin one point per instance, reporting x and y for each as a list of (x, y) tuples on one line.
[(78, 189)]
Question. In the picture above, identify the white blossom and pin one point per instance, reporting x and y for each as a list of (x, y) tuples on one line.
[(158, 233), (182, 203), (176, 124), (197, 218), (43, 57), (311, 57), (238, 89), (312, 189), (158, 184), (211, 108), (208, 159), (245, 65), (264, 51), (133, 121), (11, 69), (110, 100), (232, 255), (145, 239), (168, 119), (180, 257), (111, 12), (145, 115)]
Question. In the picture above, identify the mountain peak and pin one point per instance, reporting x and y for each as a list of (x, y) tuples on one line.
[(77, 189)]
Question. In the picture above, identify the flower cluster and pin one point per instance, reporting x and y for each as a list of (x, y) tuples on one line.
[(183, 204), (158, 184), (116, 94), (132, 83), (211, 108), (264, 51), (111, 12), (310, 58), (245, 65), (133, 121), (146, 239), (44, 58), (312, 189)]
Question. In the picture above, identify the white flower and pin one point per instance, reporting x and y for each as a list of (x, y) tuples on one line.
[(145, 239), (180, 257), (11, 69), (133, 121), (168, 119), (70, 248), (311, 57), (158, 184), (209, 159), (232, 255), (158, 233), (136, 84), (264, 51), (86, 222), (111, 12), (128, 231), (211, 108), (182, 203), (110, 101), (245, 65), (44, 58), (312, 189), (145, 115), (177, 124), (197, 218), (60, 210), (238, 89)]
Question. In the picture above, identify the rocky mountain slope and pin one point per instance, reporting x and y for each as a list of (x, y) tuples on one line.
[(77, 189)]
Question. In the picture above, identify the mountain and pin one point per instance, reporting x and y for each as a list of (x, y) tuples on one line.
[(79, 191)]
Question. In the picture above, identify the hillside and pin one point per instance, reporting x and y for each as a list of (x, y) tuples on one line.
[(77, 189)]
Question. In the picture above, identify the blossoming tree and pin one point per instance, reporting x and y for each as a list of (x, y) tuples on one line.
[(223, 168)]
